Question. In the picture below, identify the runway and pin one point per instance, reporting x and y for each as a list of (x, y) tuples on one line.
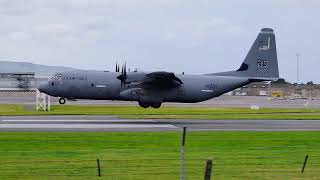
[(28, 99), (111, 123)]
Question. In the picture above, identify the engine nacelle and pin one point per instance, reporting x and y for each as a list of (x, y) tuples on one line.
[(138, 94), (132, 94)]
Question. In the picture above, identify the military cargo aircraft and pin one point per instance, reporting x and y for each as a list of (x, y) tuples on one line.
[(151, 89)]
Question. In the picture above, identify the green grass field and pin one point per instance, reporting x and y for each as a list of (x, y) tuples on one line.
[(133, 112), (155, 155)]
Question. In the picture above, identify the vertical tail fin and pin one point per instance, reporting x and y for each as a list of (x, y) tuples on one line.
[(261, 63)]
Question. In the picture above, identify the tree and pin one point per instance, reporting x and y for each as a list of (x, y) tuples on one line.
[(279, 81), (310, 83)]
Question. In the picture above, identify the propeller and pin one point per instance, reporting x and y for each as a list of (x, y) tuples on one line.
[(123, 76), (117, 67)]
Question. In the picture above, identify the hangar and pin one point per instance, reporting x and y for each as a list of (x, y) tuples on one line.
[(21, 81)]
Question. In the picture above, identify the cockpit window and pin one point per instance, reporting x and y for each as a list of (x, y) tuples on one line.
[(57, 77)]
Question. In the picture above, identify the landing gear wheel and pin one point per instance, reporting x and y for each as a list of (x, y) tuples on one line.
[(144, 105), (62, 101), (156, 105)]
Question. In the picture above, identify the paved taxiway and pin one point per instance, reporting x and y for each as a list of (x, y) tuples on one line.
[(28, 99), (110, 123)]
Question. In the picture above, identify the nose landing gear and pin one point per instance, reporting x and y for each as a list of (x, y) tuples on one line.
[(62, 101)]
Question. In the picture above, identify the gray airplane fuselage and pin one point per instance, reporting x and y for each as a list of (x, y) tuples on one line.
[(105, 86), (154, 88)]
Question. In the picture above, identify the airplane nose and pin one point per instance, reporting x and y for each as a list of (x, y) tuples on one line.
[(43, 87)]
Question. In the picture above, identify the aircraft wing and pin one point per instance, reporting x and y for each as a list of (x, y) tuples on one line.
[(162, 77), (152, 79)]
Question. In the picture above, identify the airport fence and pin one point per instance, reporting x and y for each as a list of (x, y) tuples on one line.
[(161, 168)]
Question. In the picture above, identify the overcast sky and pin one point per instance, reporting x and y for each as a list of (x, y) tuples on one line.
[(194, 36)]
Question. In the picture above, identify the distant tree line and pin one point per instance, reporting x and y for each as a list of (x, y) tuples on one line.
[(283, 81)]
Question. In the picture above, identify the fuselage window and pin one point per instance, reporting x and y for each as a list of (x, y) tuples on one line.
[(52, 83), (92, 85)]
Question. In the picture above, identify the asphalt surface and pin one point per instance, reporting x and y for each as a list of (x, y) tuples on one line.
[(28, 99), (110, 123)]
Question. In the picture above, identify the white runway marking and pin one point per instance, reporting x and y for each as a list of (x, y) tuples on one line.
[(75, 120), (256, 129), (86, 126)]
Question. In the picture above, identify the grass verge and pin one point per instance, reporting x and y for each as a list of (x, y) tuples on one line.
[(155, 155), (133, 112)]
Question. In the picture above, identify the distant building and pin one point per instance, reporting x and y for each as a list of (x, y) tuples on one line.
[(279, 90), (17, 81), (253, 89)]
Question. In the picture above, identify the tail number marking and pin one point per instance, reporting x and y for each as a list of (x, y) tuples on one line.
[(262, 63)]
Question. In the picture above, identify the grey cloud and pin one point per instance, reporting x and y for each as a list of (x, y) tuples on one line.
[(19, 36), (195, 36)]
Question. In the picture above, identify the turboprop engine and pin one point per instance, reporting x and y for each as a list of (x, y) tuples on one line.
[(145, 100), (132, 94)]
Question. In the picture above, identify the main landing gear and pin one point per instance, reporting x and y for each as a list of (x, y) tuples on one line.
[(155, 105), (62, 101)]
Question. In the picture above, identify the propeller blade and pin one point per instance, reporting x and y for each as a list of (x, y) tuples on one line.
[(123, 76), (125, 70)]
